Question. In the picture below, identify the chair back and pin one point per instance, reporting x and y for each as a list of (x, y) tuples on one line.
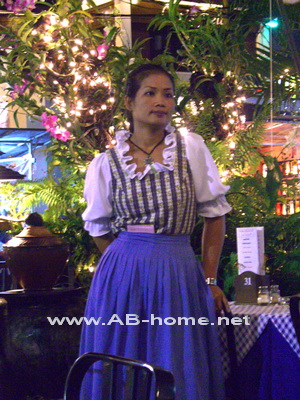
[(295, 314), (121, 378)]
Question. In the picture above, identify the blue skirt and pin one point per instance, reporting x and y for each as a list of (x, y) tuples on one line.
[(150, 291)]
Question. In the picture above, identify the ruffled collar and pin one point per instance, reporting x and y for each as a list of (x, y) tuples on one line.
[(122, 148)]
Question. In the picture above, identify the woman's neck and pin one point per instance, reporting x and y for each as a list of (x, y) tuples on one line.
[(147, 137)]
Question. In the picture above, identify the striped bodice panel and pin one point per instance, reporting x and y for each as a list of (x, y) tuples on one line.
[(164, 199)]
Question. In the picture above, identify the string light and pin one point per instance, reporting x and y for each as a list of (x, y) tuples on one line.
[(65, 23), (47, 38), (74, 76)]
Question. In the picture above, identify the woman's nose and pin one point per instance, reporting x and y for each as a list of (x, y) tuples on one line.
[(160, 101)]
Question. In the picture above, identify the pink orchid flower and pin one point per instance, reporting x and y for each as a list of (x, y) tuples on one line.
[(17, 6), (61, 134), (102, 51), (18, 89), (49, 122)]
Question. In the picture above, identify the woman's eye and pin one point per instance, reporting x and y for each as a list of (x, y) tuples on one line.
[(149, 93), (169, 95)]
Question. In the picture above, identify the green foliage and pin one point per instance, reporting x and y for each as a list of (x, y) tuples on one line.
[(65, 205), (69, 57), (252, 201)]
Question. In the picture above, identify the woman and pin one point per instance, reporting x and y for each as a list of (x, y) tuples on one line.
[(148, 189)]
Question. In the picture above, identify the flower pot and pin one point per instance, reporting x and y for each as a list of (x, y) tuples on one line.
[(36, 257)]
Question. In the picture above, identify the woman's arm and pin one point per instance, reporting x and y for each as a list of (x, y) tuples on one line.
[(103, 241), (212, 244)]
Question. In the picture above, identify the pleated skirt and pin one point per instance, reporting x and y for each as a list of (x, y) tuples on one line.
[(150, 293)]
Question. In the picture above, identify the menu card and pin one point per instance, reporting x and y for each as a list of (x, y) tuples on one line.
[(251, 249)]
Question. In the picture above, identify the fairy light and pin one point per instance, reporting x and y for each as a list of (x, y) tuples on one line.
[(53, 19), (65, 23), (73, 72), (232, 145), (231, 121), (47, 38)]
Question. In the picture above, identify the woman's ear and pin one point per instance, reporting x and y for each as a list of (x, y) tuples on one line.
[(128, 103)]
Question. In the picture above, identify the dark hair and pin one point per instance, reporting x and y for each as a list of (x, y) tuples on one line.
[(136, 77)]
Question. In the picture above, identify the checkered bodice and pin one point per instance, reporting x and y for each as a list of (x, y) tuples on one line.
[(164, 199)]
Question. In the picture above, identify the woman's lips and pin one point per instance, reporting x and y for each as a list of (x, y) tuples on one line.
[(159, 113)]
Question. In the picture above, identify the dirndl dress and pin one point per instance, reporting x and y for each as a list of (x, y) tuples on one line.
[(149, 288)]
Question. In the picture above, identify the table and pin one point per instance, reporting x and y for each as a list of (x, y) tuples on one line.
[(268, 353)]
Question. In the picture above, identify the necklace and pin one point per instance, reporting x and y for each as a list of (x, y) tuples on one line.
[(148, 160)]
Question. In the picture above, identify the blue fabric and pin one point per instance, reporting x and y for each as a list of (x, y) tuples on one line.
[(158, 275), (271, 369)]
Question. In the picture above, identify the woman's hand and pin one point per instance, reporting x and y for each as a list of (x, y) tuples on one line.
[(221, 302)]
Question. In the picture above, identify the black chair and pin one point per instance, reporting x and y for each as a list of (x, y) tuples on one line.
[(136, 379), (295, 314)]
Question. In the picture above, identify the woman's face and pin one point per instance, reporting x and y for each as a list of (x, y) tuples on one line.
[(154, 102)]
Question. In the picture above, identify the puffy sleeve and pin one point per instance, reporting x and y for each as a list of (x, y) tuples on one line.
[(98, 194), (210, 191)]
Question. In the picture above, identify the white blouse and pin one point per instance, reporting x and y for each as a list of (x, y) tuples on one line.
[(209, 190)]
